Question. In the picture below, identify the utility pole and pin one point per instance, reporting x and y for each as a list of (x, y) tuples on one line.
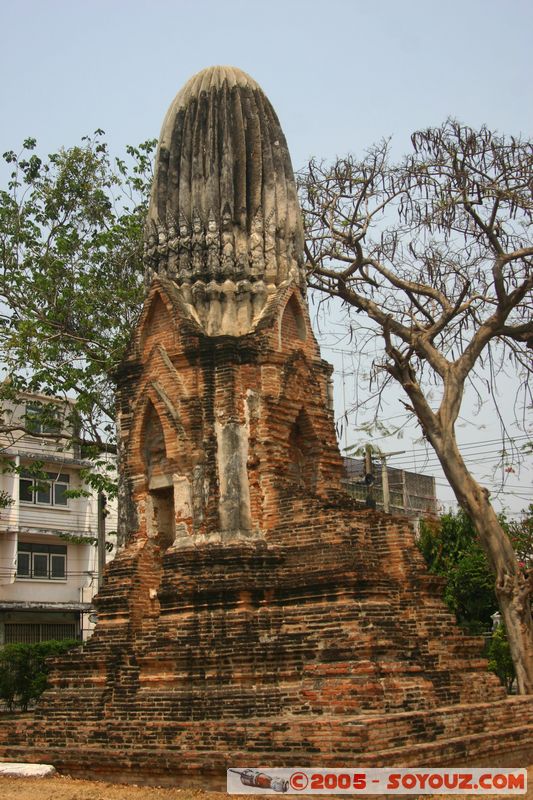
[(101, 538), (385, 478), (385, 485), (369, 477)]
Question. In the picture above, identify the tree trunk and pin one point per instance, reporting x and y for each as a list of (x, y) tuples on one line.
[(513, 588)]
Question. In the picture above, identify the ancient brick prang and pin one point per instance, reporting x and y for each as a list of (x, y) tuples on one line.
[(255, 615)]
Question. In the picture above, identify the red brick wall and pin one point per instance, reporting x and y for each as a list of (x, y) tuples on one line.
[(314, 637)]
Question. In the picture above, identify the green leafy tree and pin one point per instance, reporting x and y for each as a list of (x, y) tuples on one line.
[(71, 283), (521, 535), (71, 279), (451, 549)]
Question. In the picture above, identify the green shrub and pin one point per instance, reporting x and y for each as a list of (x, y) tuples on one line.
[(500, 661), (24, 671), (451, 549)]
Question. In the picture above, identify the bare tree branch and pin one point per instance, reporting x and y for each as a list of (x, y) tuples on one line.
[(437, 251)]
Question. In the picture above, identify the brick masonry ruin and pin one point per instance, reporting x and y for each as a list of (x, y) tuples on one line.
[(255, 615)]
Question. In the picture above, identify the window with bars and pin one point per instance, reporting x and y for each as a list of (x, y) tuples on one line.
[(32, 632), (51, 491), (42, 561)]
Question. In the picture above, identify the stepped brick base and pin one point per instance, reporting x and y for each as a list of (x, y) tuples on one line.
[(325, 643)]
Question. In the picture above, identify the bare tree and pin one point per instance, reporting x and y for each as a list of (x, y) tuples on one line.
[(437, 253)]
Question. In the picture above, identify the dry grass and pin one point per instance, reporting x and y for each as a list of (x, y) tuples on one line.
[(61, 787)]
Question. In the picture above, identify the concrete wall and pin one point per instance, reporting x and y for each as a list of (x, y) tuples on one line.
[(39, 523)]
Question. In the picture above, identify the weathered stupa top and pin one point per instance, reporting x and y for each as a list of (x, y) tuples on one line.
[(224, 209)]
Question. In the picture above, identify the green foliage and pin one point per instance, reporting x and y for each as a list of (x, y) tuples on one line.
[(500, 661), (5, 499), (24, 670), (71, 277), (92, 540), (470, 591), (521, 535), (451, 549)]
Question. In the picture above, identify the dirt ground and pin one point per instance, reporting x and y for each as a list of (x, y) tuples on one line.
[(65, 788), (62, 787)]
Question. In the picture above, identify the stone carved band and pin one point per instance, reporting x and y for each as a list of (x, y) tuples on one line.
[(182, 249)]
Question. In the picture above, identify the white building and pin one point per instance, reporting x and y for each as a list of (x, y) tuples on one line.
[(47, 575)]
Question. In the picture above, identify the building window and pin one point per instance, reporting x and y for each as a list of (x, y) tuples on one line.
[(42, 418), (32, 632), (42, 561), (51, 491)]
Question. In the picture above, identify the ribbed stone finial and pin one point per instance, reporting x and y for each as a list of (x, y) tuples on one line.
[(224, 220)]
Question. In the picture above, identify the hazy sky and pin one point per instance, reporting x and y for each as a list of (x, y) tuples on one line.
[(341, 74)]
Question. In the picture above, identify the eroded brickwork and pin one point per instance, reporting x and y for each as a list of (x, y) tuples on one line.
[(255, 615), (213, 426), (312, 636)]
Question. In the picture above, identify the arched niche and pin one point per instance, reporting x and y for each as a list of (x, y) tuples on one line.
[(153, 447), (293, 326), (303, 449), (161, 515)]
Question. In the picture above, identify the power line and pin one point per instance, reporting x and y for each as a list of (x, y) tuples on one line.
[(481, 451), (513, 442), (431, 461), (483, 442), (495, 490)]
